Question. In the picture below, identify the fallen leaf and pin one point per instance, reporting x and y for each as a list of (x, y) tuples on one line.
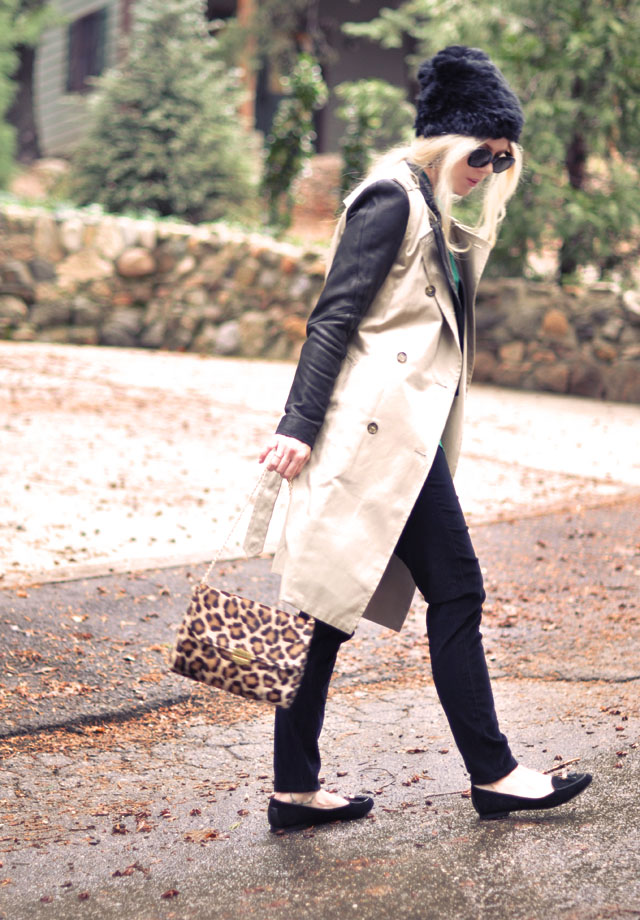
[(202, 836), (171, 893), (120, 873)]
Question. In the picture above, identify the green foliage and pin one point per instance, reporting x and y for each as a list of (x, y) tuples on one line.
[(576, 68), (21, 25), (8, 62), (377, 115), (31, 18), (290, 142), (165, 133), (280, 27)]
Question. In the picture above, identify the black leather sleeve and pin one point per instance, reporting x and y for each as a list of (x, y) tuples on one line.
[(375, 226)]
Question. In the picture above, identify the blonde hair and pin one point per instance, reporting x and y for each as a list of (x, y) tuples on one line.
[(444, 152)]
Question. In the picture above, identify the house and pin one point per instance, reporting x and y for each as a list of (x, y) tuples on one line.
[(68, 55), (88, 42)]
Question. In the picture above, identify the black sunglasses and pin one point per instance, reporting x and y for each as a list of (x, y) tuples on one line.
[(482, 156)]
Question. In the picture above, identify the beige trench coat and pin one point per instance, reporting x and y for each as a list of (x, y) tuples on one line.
[(393, 401)]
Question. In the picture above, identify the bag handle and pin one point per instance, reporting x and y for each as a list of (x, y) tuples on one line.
[(266, 490)]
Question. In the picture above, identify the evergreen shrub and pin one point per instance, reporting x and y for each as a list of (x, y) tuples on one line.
[(377, 116), (165, 134), (8, 61), (290, 142)]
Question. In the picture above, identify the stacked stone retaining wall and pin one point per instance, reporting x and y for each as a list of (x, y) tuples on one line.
[(86, 278), (582, 341)]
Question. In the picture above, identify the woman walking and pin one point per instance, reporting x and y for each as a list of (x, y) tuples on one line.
[(371, 436)]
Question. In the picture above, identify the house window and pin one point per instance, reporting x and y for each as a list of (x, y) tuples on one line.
[(221, 9), (87, 41)]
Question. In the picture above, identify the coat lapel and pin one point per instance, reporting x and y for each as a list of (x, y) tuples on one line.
[(446, 304), (459, 308), (471, 264), (473, 260)]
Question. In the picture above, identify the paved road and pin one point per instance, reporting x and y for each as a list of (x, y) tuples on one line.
[(116, 458), (155, 785), (125, 791), (562, 605)]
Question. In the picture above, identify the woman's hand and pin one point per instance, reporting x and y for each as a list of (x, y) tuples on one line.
[(286, 456)]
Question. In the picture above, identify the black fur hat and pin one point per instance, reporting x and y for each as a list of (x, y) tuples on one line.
[(463, 92)]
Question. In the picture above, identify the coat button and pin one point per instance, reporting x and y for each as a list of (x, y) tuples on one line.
[(402, 357), (372, 427), (430, 291)]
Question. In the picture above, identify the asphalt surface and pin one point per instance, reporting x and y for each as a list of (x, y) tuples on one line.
[(562, 604), (116, 459), (127, 791)]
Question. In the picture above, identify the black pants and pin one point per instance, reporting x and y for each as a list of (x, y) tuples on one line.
[(436, 547)]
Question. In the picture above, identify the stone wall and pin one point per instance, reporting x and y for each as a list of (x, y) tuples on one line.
[(97, 280), (92, 279), (583, 341)]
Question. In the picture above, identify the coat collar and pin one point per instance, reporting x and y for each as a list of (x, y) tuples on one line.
[(471, 260), (463, 234)]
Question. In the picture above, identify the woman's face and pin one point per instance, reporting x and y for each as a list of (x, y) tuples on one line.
[(464, 178)]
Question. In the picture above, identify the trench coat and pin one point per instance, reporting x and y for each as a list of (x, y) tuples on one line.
[(400, 391)]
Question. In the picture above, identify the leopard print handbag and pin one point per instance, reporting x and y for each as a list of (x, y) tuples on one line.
[(240, 645)]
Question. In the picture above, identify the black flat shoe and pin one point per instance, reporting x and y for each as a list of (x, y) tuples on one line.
[(291, 816), (490, 805)]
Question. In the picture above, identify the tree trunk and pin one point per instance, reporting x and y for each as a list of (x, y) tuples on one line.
[(575, 162), (21, 114)]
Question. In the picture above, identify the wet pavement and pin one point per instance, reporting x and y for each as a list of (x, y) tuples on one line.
[(126, 791), (122, 783), (562, 604)]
